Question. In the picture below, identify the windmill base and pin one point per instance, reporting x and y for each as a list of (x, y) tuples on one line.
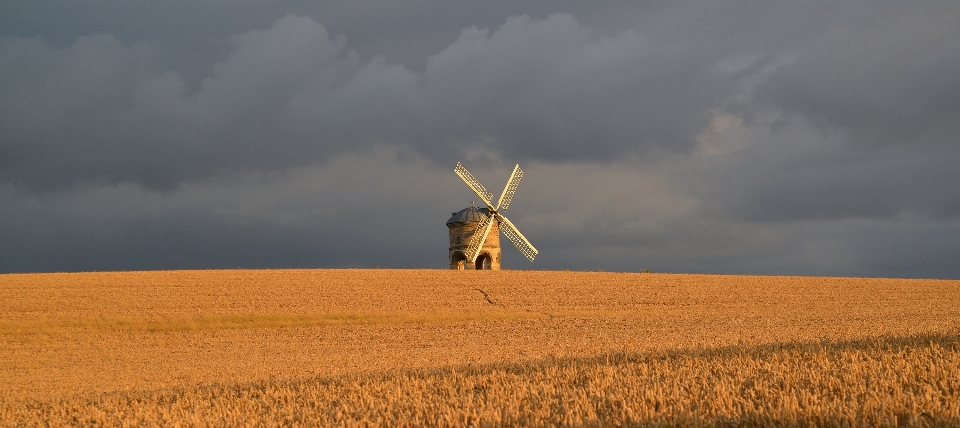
[(486, 261)]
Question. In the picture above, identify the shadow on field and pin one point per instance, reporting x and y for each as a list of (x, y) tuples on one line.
[(879, 381)]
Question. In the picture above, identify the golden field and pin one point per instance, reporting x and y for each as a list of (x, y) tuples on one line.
[(448, 348)]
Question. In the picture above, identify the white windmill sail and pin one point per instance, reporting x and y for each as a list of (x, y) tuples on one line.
[(493, 214)]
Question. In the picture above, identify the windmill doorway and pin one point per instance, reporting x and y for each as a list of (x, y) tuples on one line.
[(459, 261), (483, 262)]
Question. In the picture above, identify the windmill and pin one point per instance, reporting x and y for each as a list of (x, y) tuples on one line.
[(489, 218)]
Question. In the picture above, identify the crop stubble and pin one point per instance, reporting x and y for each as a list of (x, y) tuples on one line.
[(70, 339)]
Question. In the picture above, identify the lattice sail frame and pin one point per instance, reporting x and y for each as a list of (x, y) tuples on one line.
[(483, 229), (517, 238), (510, 189), (475, 185)]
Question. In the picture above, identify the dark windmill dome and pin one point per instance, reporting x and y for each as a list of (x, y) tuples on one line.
[(469, 215)]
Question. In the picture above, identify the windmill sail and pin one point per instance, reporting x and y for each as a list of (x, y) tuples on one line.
[(517, 238), (479, 237), (510, 189), (478, 188)]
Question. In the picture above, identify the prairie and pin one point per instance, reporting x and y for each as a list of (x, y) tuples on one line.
[(436, 347)]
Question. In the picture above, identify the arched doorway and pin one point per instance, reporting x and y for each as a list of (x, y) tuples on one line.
[(458, 261), (483, 262)]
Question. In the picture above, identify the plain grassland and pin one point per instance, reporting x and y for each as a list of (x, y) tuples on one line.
[(458, 348)]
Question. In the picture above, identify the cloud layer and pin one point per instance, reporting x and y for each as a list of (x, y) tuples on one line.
[(750, 138), (292, 94)]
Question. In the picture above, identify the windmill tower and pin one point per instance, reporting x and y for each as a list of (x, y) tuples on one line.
[(475, 232)]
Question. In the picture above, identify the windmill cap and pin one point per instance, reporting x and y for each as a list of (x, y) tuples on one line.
[(469, 215)]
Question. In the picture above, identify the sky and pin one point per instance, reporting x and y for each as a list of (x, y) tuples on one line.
[(810, 137)]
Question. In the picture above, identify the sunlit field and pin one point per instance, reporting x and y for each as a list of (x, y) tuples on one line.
[(450, 348)]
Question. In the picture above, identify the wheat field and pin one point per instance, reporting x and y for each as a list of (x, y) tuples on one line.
[(375, 347)]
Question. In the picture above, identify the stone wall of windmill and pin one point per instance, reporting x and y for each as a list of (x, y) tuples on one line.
[(462, 226)]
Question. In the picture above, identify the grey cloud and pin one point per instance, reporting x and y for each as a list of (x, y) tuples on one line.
[(809, 138), (54, 104), (293, 94), (552, 90), (889, 187), (377, 207), (386, 207), (97, 114), (889, 79), (797, 173)]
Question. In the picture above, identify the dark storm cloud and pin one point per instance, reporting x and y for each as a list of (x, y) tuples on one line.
[(293, 94), (379, 207), (93, 111), (795, 173), (737, 137), (889, 79), (890, 187)]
